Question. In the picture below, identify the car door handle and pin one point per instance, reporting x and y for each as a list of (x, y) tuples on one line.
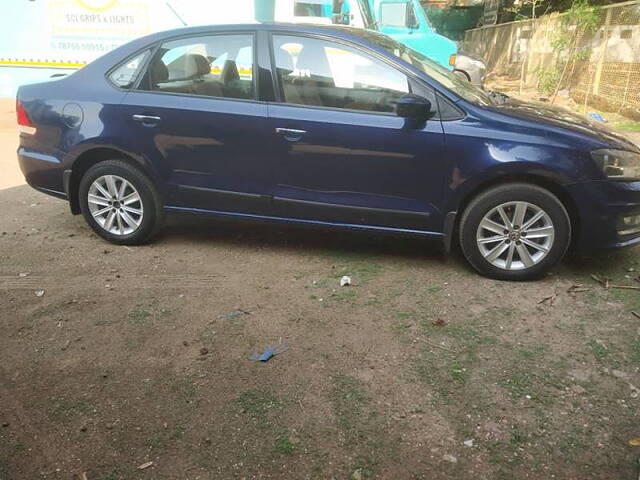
[(291, 134), (146, 119)]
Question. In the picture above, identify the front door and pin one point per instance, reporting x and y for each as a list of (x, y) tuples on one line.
[(341, 154), (196, 116)]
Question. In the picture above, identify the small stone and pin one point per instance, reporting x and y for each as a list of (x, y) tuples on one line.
[(468, 443), (578, 390), (39, 293), (109, 426), (357, 475), (450, 458), (204, 351), (185, 343), (5, 424), (66, 345), (24, 274), (619, 374), (83, 428)]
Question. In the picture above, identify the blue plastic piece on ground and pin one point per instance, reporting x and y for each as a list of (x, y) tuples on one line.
[(268, 353), (596, 116)]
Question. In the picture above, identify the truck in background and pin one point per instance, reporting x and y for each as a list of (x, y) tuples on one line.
[(403, 20), (64, 35)]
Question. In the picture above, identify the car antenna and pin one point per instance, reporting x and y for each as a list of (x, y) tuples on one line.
[(176, 14)]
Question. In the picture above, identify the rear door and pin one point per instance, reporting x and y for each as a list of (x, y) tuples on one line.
[(196, 116), (340, 152)]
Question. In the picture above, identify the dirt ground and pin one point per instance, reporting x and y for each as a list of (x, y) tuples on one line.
[(114, 357)]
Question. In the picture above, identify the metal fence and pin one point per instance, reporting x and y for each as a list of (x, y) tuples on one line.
[(599, 66)]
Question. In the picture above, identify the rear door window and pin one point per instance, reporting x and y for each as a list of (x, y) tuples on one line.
[(125, 75), (211, 66)]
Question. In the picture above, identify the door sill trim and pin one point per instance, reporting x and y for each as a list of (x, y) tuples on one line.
[(356, 208), (300, 221)]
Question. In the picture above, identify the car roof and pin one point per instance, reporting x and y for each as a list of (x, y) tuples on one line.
[(339, 31), (355, 35)]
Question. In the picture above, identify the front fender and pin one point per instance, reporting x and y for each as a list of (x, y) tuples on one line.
[(461, 189)]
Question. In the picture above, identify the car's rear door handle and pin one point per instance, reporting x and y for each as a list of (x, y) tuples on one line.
[(147, 120), (291, 134)]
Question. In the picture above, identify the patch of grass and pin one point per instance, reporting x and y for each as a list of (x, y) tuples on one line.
[(185, 387), (258, 404), (517, 438), (635, 352), (360, 272), (598, 350), (458, 371), (362, 464), (519, 383), (401, 324), (347, 295), (350, 400), (628, 126), (144, 312), (139, 314), (284, 446)]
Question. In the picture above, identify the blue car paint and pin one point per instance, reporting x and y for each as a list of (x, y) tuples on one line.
[(354, 170)]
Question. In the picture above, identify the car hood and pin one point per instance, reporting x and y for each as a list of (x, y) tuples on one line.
[(562, 117)]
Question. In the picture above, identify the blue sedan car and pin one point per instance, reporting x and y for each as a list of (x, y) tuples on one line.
[(326, 126)]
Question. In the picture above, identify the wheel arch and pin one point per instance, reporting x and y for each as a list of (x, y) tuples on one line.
[(538, 180), (90, 157)]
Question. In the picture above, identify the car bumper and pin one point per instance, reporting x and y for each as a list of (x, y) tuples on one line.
[(42, 172), (602, 207), (475, 69)]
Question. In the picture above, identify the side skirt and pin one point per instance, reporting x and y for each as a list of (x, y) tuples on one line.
[(319, 223)]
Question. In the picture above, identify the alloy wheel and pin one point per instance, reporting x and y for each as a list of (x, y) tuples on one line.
[(115, 204), (515, 235)]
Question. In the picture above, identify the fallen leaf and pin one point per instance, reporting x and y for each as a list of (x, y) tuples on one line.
[(635, 442)]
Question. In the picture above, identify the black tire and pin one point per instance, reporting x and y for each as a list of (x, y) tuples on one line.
[(503, 194), (152, 217)]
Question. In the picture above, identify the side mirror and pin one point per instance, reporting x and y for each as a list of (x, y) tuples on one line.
[(414, 107)]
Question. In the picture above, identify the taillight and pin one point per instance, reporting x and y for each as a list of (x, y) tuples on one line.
[(452, 60), (24, 123)]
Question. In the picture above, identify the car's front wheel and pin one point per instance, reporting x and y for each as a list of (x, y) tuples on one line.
[(516, 231), (120, 203)]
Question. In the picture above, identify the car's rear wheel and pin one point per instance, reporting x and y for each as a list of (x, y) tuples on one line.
[(120, 203), (515, 232)]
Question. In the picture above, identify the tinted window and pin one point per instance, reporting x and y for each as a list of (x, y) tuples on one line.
[(213, 66), (126, 74), (321, 73)]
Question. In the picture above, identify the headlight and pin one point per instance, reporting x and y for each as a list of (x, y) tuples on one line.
[(618, 164)]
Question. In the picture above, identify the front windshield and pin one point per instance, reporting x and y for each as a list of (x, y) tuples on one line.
[(433, 69)]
